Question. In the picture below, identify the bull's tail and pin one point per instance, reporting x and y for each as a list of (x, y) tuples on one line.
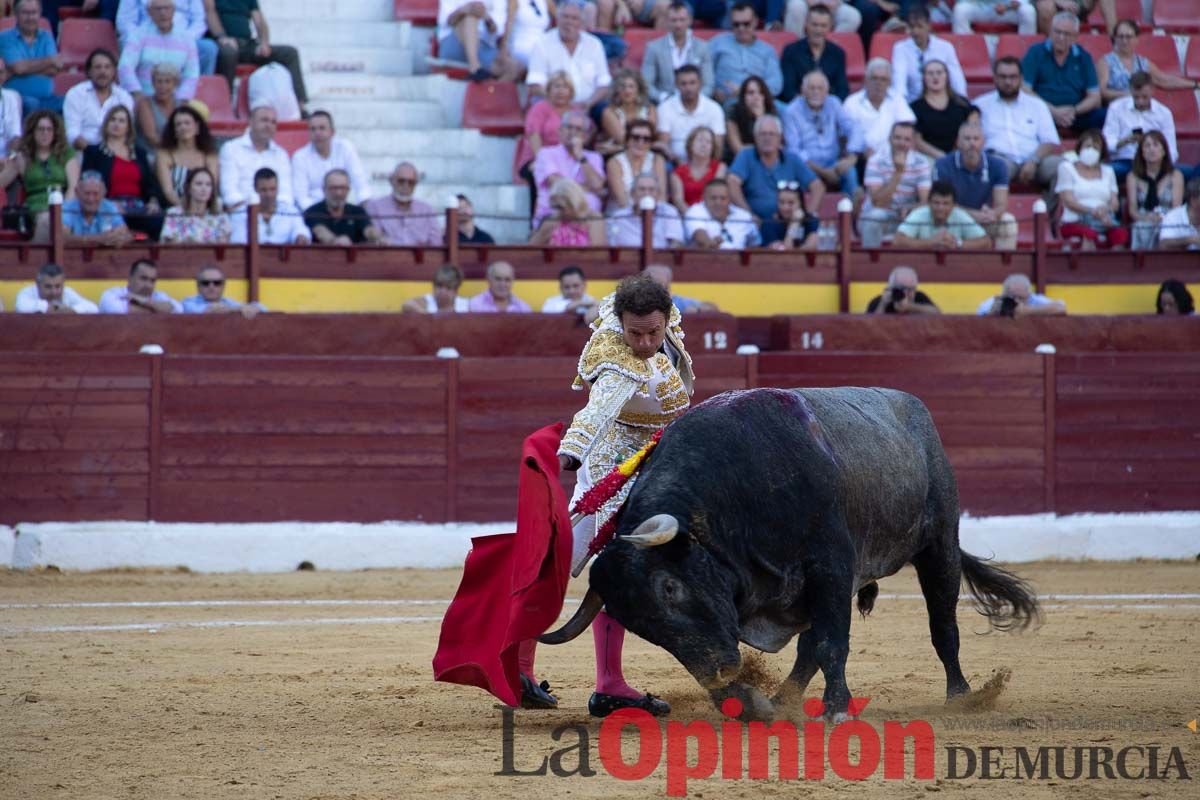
[(1008, 602)]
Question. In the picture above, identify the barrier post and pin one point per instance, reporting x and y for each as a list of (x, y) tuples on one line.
[(844, 207), (1039, 246), (452, 230), (1050, 399), (253, 256), (646, 254), (153, 492), (57, 241), (451, 358)]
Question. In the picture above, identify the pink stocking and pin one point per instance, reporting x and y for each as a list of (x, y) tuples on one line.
[(609, 637), (525, 652)]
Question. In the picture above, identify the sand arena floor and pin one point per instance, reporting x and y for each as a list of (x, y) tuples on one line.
[(144, 686)]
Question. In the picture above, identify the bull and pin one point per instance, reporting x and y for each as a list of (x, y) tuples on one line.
[(763, 513)]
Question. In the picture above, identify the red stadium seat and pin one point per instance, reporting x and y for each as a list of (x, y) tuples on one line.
[(882, 44), (80, 36), (11, 22), (1191, 61), (636, 40), (291, 139), (63, 81), (1126, 9), (1021, 207), (494, 108), (213, 91), (1016, 44), (418, 12), (856, 63), (1187, 114), (1176, 16), (827, 211), (972, 52), (778, 39)]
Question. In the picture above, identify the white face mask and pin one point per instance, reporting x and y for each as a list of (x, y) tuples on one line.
[(1089, 156)]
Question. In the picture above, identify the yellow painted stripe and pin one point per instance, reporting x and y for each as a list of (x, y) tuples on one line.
[(741, 299)]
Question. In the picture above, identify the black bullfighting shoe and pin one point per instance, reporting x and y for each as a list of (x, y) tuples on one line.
[(535, 696), (601, 705)]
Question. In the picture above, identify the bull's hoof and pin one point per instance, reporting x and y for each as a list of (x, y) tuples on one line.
[(601, 705), (536, 696), (756, 706)]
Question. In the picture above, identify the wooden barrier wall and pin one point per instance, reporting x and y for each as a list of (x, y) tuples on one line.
[(248, 438)]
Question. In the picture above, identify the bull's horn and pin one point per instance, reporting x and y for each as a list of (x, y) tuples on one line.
[(588, 609), (659, 529)]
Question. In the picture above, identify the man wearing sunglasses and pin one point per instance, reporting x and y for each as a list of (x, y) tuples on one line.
[(401, 219), (211, 299), (740, 54)]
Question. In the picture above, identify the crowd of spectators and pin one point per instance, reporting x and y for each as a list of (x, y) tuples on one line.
[(881, 143)]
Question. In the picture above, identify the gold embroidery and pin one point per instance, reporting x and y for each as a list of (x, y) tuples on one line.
[(607, 350), (647, 419)]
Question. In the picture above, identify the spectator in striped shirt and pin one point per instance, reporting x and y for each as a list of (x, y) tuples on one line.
[(158, 42), (897, 180)]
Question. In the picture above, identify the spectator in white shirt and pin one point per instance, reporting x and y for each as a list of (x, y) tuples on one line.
[(189, 16), (11, 120), (717, 224), (685, 111), (525, 28), (877, 107), (325, 151), (1018, 127), (245, 155), (86, 103), (578, 53), (909, 57), (278, 223), (572, 297), (1014, 12), (1180, 228), (139, 296), (1131, 117), (50, 295)]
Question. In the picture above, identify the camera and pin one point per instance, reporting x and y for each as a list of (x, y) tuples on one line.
[(1008, 307), (897, 294)]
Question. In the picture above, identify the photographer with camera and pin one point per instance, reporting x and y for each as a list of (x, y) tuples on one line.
[(902, 296), (1017, 299)]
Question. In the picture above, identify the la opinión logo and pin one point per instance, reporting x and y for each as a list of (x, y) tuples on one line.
[(737, 750)]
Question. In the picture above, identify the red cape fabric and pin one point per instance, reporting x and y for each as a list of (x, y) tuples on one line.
[(513, 584)]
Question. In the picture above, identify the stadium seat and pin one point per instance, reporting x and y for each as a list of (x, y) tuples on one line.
[(11, 22), (1159, 49), (80, 36), (63, 81), (972, 52), (1126, 9), (778, 39), (827, 210), (856, 63), (882, 44), (1176, 16), (494, 108), (1016, 44), (1191, 61), (418, 12), (213, 91), (1021, 207), (1187, 114), (291, 139), (636, 40)]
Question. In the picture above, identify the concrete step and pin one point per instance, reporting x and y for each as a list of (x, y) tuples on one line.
[(355, 86), (442, 170), (365, 10), (334, 32), (445, 143), (374, 115), (365, 61)]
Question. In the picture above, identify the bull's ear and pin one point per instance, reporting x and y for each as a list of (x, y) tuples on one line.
[(659, 529)]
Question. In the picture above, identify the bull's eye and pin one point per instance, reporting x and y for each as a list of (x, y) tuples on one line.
[(669, 588)]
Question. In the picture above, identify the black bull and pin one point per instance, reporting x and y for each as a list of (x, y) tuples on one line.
[(762, 513)]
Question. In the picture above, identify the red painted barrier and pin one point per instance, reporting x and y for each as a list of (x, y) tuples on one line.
[(246, 438)]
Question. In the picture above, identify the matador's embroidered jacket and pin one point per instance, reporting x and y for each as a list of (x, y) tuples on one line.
[(629, 400)]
